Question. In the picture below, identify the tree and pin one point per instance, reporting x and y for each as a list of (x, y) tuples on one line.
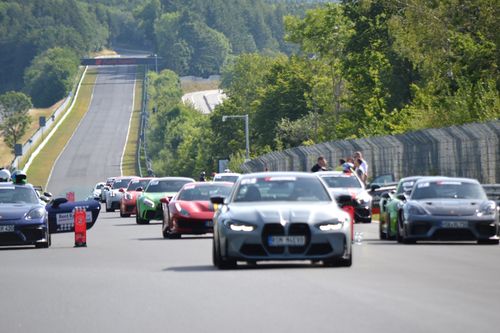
[(50, 76), (14, 117)]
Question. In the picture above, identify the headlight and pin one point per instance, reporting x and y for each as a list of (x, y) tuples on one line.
[(181, 210), (331, 226), (35, 213), (416, 210), (149, 203), (363, 198), (487, 209), (238, 226)]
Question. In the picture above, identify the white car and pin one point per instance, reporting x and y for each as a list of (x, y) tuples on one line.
[(115, 194), (231, 177), (96, 192)]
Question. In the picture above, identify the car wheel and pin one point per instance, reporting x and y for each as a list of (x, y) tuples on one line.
[(140, 220), (405, 239), (108, 210), (488, 241), (340, 262), (44, 245), (399, 238), (174, 236), (124, 215), (217, 258), (381, 234), (389, 230)]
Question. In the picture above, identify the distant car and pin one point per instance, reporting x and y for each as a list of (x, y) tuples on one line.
[(106, 188), (23, 218), (96, 193), (280, 216), (231, 177), (190, 210), (340, 183), (128, 202), (448, 209), (149, 206), (390, 206), (114, 195)]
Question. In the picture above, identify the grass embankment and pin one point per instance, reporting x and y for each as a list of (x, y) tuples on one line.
[(6, 155), (129, 165), (40, 169)]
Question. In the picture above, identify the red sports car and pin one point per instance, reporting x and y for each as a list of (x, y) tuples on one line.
[(190, 210), (128, 201)]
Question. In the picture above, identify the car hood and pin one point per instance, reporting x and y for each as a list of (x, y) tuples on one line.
[(156, 196), (288, 212), (196, 206), (451, 207), (15, 211)]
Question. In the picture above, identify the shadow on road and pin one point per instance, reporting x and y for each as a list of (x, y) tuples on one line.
[(133, 224), (209, 268)]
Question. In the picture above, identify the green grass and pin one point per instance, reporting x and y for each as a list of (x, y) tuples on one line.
[(129, 165), (39, 171), (192, 86)]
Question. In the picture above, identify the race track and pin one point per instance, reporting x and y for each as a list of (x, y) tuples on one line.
[(95, 150), (130, 279)]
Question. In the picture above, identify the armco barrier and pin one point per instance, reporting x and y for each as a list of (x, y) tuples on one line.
[(470, 150)]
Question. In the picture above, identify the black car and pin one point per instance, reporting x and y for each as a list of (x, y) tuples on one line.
[(448, 209)]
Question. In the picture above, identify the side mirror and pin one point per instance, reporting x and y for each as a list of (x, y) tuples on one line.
[(343, 200), (386, 195), (374, 187), (44, 199), (401, 197), (47, 194), (164, 200), (217, 200), (58, 201), (139, 189)]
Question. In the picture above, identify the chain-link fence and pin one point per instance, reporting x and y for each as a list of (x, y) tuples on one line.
[(470, 150)]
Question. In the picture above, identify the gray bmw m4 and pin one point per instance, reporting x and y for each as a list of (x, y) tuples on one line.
[(280, 216)]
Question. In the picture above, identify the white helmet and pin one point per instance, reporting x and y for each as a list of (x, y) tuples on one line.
[(4, 175)]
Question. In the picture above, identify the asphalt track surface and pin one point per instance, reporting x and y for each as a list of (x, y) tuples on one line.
[(130, 279), (94, 151)]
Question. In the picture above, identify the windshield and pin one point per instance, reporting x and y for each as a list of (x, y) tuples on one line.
[(99, 186), (405, 187), (16, 194), (448, 190), (281, 188), (223, 178), (119, 183), (341, 182), (156, 186), (203, 193), (135, 184)]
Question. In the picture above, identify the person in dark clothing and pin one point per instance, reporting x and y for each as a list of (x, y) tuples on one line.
[(320, 166), (202, 176)]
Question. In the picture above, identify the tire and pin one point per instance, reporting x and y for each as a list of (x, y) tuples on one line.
[(217, 258), (140, 220), (399, 238), (109, 210), (339, 262), (381, 234), (405, 240), (488, 241), (388, 233), (124, 215), (44, 245)]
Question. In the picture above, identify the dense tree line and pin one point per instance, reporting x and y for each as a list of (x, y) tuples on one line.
[(194, 37), (363, 68)]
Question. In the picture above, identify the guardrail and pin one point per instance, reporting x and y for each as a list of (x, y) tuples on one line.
[(142, 144)]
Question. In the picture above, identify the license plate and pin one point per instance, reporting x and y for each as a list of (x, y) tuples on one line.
[(454, 224), (209, 223), (6, 228), (286, 240)]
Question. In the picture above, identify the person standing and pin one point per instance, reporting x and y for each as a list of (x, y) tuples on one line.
[(321, 165), (364, 165), (359, 170)]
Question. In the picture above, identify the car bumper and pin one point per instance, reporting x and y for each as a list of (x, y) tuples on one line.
[(454, 228), (192, 226), (24, 234), (363, 213), (150, 213), (254, 245), (128, 208)]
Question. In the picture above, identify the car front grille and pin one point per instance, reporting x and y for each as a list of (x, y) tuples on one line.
[(293, 229)]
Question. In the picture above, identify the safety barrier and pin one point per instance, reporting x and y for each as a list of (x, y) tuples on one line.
[(471, 150)]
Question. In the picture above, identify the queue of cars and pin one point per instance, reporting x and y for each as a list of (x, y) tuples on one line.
[(265, 216)]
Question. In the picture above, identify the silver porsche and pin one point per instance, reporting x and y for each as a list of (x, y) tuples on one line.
[(280, 216)]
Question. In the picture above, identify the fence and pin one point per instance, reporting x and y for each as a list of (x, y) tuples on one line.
[(470, 150), (142, 144)]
